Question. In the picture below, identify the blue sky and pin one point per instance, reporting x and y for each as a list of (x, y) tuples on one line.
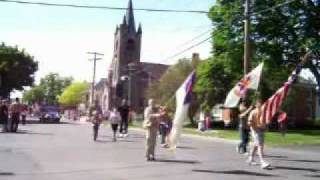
[(59, 37)]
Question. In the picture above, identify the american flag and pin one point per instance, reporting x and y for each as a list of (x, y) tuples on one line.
[(272, 105)]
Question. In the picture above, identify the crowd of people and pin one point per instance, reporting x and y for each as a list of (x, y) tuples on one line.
[(11, 113), (156, 119)]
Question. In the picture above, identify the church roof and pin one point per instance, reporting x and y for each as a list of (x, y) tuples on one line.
[(156, 70)]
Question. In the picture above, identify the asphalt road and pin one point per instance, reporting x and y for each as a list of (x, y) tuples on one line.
[(67, 152)]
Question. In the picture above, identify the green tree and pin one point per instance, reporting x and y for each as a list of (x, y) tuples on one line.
[(73, 94), (35, 94), (164, 90), (53, 85), (213, 81), (17, 69), (279, 38)]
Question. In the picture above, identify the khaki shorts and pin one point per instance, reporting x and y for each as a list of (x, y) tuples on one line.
[(257, 136)]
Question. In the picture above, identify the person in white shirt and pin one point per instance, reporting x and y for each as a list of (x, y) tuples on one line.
[(115, 120)]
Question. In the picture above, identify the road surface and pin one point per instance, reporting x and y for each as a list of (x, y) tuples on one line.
[(66, 151)]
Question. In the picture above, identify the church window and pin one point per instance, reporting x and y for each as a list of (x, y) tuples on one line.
[(131, 44)]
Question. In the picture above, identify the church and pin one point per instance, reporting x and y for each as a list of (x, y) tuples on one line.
[(128, 77)]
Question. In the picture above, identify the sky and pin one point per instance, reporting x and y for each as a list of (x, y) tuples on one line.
[(60, 37)]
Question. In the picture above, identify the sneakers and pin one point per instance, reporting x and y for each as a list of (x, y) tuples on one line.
[(252, 162), (265, 165)]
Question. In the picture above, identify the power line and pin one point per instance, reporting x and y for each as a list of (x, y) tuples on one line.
[(187, 49), (196, 37), (103, 7), (273, 8)]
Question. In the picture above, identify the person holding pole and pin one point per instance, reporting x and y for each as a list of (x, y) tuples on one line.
[(151, 124), (244, 129), (257, 131)]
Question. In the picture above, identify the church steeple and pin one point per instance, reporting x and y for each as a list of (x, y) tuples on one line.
[(130, 18)]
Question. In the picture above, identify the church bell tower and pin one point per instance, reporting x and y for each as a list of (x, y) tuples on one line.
[(127, 48)]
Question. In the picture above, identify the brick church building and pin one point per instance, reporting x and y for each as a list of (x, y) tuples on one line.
[(129, 77)]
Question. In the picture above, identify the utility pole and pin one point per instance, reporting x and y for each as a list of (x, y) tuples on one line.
[(247, 48), (95, 59)]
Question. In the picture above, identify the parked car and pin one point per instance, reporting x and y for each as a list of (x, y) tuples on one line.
[(50, 114)]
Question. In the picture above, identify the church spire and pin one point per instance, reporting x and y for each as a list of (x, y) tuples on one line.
[(130, 18)]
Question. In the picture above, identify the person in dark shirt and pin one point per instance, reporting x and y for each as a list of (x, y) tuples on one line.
[(4, 115), (124, 113)]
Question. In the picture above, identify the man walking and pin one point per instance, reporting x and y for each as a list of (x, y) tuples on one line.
[(151, 124), (15, 110), (4, 115), (257, 130), (244, 129), (124, 113)]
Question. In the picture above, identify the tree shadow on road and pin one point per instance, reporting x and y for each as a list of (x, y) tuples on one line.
[(313, 176), (6, 174), (303, 160), (30, 122), (277, 157), (103, 141), (296, 168), (178, 161), (236, 172), (32, 133), (186, 147)]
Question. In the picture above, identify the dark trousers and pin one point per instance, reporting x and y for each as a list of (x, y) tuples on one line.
[(5, 124), (23, 119), (15, 118), (95, 131), (244, 139), (114, 129), (164, 130), (124, 126)]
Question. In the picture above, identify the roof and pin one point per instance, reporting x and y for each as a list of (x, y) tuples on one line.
[(156, 70)]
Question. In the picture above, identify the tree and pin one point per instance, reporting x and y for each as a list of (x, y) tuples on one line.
[(73, 94), (50, 87), (213, 80), (279, 38), (35, 94), (53, 85), (17, 69), (164, 90)]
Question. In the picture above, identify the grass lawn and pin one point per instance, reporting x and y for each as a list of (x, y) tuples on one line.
[(273, 138)]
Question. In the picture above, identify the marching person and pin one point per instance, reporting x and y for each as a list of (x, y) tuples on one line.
[(165, 126), (115, 119), (96, 121), (4, 113), (124, 113), (15, 110), (24, 112), (257, 131), (244, 129), (151, 124)]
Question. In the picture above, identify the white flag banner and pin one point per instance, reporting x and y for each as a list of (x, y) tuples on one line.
[(183, 99), (250, 81)]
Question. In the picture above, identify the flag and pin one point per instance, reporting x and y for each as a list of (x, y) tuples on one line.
[(183, 99), (249, 81), (272, 105)]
